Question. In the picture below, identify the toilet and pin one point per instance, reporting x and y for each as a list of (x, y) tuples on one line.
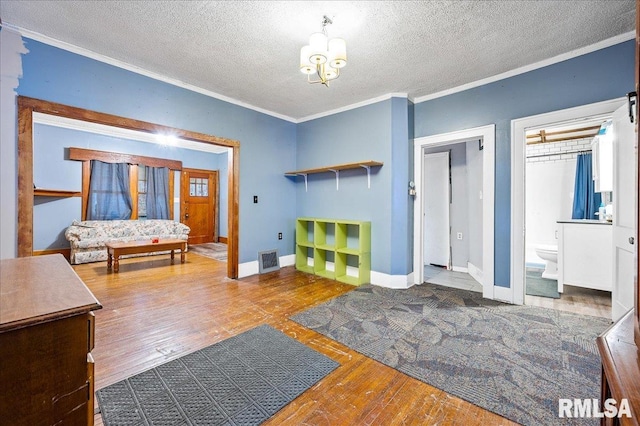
[(549, 253)]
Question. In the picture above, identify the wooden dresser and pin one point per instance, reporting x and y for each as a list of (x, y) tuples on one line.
[(620, 369), (46, 338)]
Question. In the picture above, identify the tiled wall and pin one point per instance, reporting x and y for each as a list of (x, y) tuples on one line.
[(557, 151)]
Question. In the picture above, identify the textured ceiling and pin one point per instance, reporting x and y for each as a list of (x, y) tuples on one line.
[(248, 50)]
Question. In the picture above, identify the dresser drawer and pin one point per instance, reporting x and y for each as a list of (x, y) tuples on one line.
[(44, 368)]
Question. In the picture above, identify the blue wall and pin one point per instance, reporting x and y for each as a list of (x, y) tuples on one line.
[(401, 201), (268, 144), (601, 75), (355, 135), (380, 131)]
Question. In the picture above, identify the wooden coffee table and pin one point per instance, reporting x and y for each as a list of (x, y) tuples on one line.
[(117, 249)]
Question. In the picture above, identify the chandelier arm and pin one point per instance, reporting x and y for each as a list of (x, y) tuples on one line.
[(320, 72), (312, 81)]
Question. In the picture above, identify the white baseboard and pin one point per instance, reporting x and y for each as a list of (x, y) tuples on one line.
[(503, 294), (391, 281), (248, 268), (460, 269), (252, 268), (475, 272), (287, 260), (377, 278)]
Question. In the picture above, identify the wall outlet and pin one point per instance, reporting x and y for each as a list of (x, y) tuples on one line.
[(255, 199), (279, 235), (459, 235)]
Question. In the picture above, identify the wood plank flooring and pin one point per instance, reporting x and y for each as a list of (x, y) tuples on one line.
[(155, 311), (584, 301)]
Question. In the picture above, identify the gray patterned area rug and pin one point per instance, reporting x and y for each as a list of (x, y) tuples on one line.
[(242, 380), (516, 361)]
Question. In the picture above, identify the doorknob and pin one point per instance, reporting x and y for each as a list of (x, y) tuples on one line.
[(186, 216), (631, 240)]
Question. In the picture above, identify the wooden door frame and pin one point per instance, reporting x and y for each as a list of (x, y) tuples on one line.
[(27, 106), (216, 195), (636, 325)]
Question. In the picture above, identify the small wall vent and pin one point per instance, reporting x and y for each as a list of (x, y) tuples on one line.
[(268, 261)]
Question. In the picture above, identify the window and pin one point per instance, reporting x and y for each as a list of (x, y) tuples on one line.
[(150, 183), (142, 192), (109, 195), (199, 187)]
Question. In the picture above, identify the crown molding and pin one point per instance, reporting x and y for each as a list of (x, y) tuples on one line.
[(415, 100), (556, 59), (124, 65), (354, 106), (156, 76)]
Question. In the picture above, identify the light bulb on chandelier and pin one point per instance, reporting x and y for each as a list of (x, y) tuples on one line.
[(323, 56)]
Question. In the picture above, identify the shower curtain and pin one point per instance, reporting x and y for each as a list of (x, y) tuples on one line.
[(585, 200)]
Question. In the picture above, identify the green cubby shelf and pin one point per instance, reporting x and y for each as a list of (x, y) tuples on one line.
[(335, 249)]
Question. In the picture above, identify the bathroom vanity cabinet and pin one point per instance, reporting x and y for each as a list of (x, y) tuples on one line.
[(585, 254)]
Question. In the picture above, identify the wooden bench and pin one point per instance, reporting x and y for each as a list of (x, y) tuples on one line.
[(117, 249)]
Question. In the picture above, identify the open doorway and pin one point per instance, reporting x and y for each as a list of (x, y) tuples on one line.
[(200, 209), (29, 111), (557, 159), (478, 146), (452, 217), (542, 218)]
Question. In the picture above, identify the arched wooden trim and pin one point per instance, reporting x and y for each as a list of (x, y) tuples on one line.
[(27, 106)]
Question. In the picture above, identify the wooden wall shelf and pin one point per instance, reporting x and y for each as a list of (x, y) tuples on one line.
[(60, 193), (336, 169)]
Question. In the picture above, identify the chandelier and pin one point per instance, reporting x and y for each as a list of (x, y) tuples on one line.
[(322, 56)]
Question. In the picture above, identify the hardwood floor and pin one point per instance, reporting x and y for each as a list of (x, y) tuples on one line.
[(584, 301), (155, 311)]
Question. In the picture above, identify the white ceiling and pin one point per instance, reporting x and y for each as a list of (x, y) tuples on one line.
[(248, 51)]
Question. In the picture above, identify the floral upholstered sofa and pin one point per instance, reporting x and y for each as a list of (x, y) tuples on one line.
[(88, 238)]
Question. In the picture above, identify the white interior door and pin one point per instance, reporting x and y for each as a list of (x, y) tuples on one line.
[(436, 198), (624, 213)]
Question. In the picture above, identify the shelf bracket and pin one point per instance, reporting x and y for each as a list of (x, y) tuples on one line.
[(306, 189), (337, 172), (368, 174)]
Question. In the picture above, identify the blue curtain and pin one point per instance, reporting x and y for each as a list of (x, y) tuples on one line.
[(585, 200), (157, 193), (109, 195)]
